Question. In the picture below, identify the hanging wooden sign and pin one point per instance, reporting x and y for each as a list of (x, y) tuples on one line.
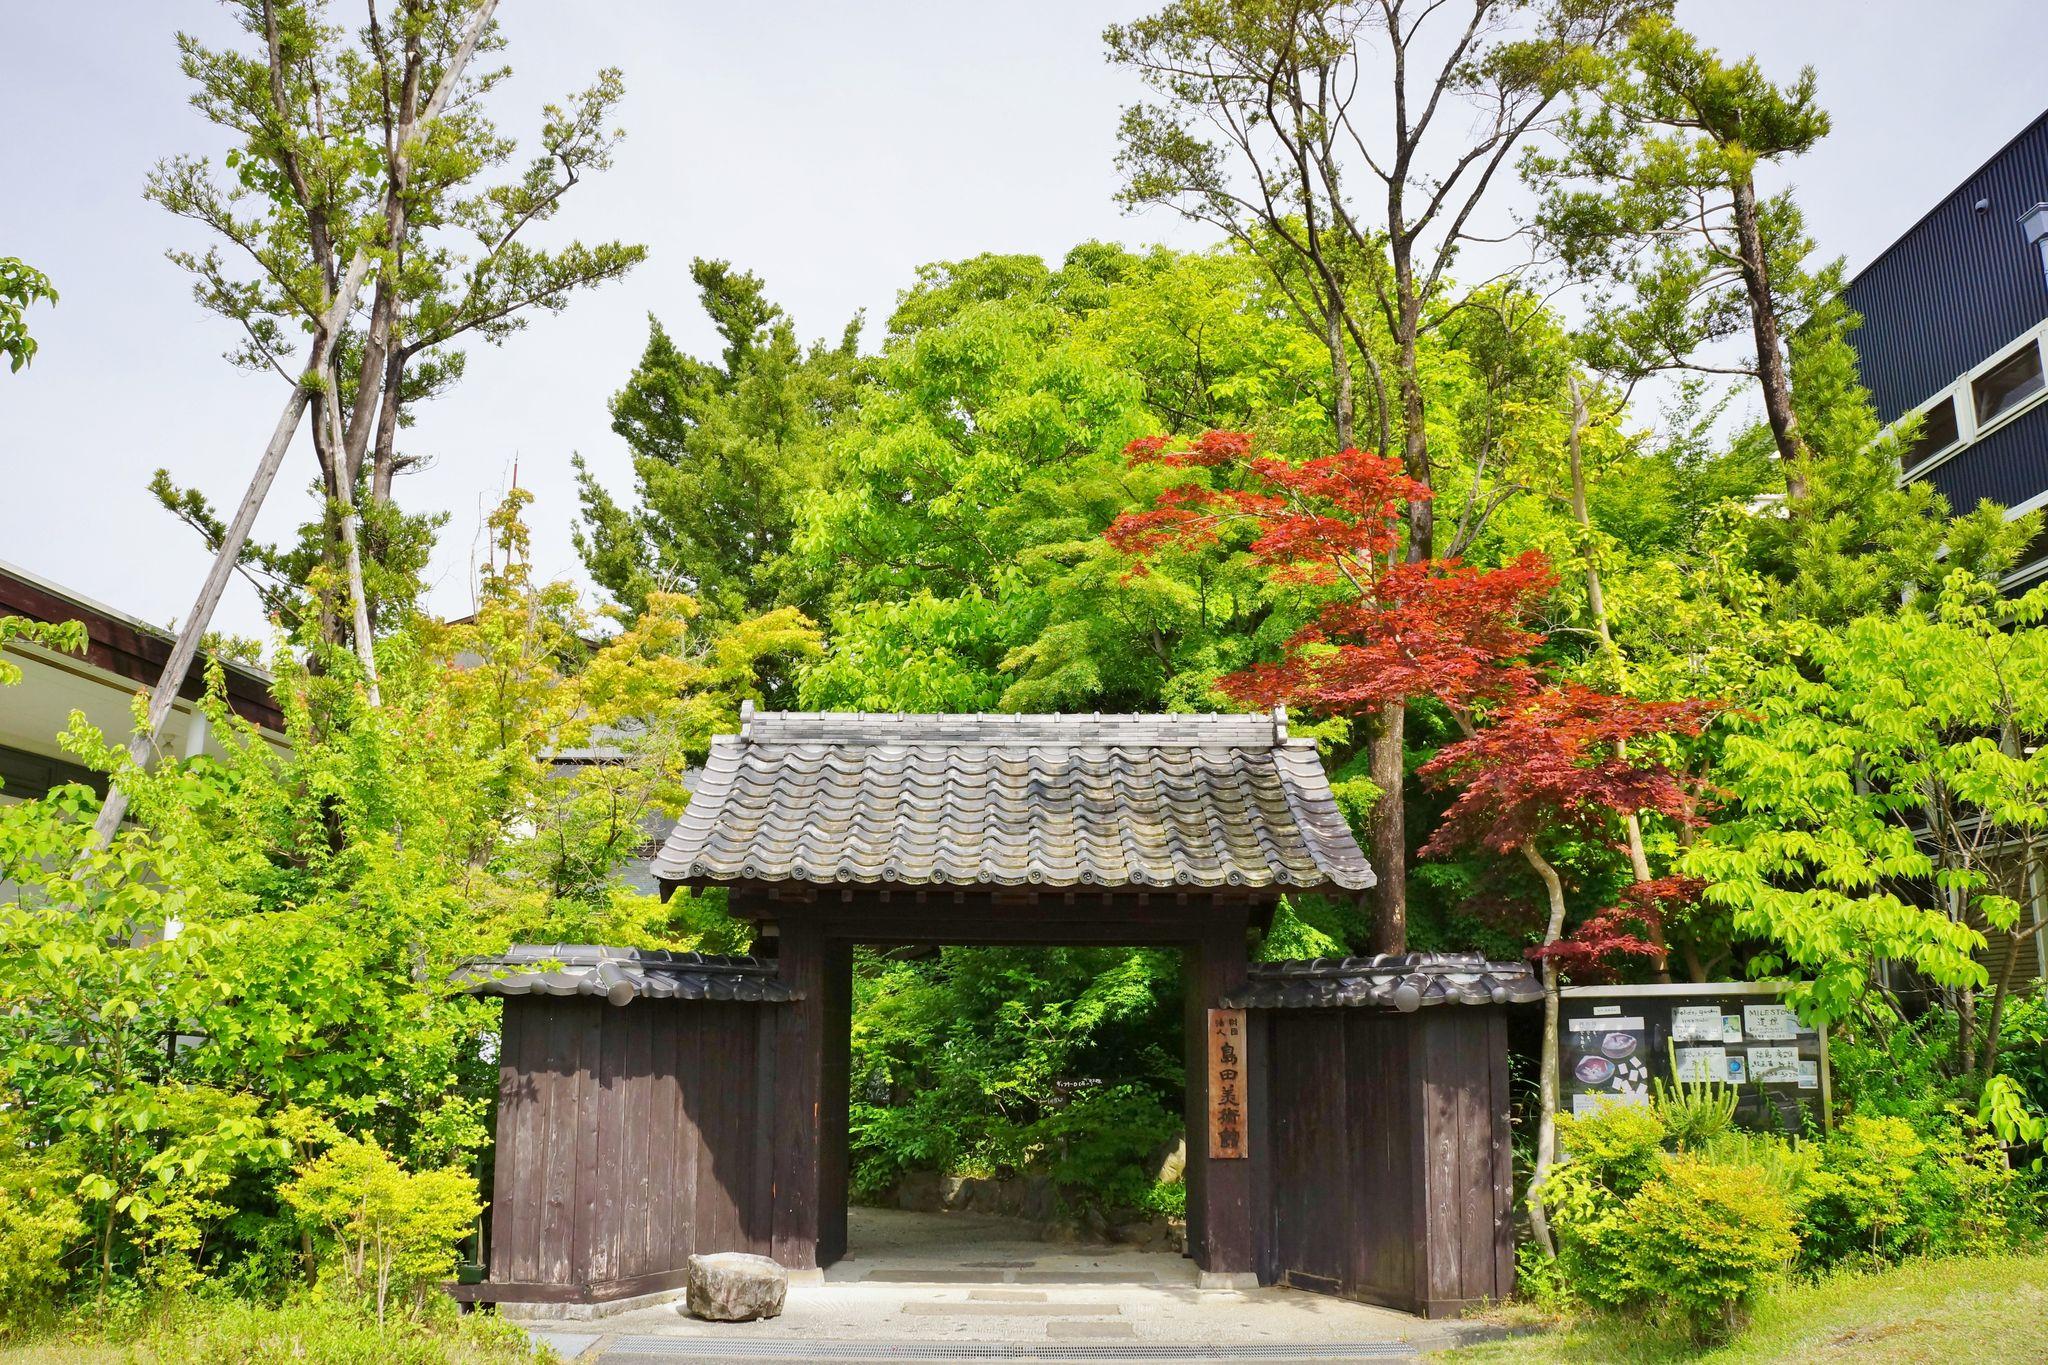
[(1227, 1088)]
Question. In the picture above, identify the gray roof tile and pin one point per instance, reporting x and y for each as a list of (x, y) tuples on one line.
[(1405, 982), (624, 974), (1083, 800)]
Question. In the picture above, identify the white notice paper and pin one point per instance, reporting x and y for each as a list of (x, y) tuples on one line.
[(1775, 1065), (1632, 1022), (1769, 1021), (1703, 1064), (1696, 1024), (1809, 1075)]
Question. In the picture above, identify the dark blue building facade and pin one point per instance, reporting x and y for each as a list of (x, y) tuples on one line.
[(1955, 316)]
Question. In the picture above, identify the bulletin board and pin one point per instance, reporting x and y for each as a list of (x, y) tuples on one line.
[(1614, 1040)]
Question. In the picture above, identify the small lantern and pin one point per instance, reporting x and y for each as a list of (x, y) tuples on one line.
[(2034, 223)]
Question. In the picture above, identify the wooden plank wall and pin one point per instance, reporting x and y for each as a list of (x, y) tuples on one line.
[(1390, 1174), (628, 1138)]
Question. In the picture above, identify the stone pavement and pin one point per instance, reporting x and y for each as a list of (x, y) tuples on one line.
[(931, 1287)]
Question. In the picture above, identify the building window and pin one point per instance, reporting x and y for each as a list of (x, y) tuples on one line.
[(1937, 433), (2008, 384)]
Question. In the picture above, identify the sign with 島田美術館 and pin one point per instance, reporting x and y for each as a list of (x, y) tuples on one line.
[(1227, 1087)]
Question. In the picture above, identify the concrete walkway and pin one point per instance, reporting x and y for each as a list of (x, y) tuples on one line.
[(930, 1287)]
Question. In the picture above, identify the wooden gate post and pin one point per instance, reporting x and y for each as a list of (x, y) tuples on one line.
[(1220, 1223), (797, 1136)]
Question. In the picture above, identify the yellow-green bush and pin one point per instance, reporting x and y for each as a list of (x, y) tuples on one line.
[(1702, 1239), (1884, 1189), (390, 1231), (39, 1223), (1610, 1154)]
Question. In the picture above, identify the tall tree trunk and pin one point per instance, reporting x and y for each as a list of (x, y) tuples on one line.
[(1415, 440), (1344, 402), (1987, 1062), (1596, 605), (352, 558), (1387, 756), (186, 648), (1771, 372), (1547, 1083)]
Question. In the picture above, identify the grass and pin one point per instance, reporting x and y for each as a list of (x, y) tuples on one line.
[(306, 1333), (1982, 1310)]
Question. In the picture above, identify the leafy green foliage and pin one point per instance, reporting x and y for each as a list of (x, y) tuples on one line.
[(1688, 1237), (1693, 1112), (40, 1225), (68, 636), (391, 1231), (21, 284), (723, 456), (1056, 1062), (1885, 1189), (1703, 1240), (1895, 754)]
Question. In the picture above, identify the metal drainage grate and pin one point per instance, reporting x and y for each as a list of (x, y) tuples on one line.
[(697, 1348)]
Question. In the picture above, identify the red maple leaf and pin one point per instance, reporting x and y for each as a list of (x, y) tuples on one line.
[(1560, 760)]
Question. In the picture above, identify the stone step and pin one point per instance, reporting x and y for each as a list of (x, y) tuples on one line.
[(1000, 1310)]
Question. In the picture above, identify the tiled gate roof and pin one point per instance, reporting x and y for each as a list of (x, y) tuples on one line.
[(1058, 801)]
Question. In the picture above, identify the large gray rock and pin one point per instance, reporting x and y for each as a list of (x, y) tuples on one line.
[(731, 1286)]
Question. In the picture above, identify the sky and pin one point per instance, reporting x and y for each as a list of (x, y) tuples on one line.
[(829, 148)]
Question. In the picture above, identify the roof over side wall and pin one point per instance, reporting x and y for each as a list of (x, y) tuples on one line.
[(622, 975), (1168, 801), (1404, 982)]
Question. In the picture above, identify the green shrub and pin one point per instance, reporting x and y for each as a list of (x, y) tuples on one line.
[(1787, 1167), (1702, 1239), (1885, 1066), (1611, 1154), (1883, 1189), (390, 1230), (1693, 1112), (1166, 1199), (2023, 1047), (1618, 1146), (39, 1223)]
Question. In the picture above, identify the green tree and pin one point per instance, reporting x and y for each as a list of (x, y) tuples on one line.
[(372, 148), (1653, 197), (723, 455), (1887, 803)]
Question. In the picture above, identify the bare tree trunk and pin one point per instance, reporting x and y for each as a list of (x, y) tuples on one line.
[(1596, 605), (1415, 435), (1987, 1065), (1386, 756), (358, 600), (1344, 404), (1547, 1084), (1771, 372), (186, 648)]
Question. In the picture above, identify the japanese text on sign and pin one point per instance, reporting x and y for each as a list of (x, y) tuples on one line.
[(1227, 1088)]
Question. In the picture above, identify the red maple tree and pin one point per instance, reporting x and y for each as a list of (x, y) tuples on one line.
[(1538, 759), (1399, 630), (1389, 632), (1565, 760)]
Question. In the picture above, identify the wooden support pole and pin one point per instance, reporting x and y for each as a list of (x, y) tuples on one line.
[(1220, 1221), (799, 1131)]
